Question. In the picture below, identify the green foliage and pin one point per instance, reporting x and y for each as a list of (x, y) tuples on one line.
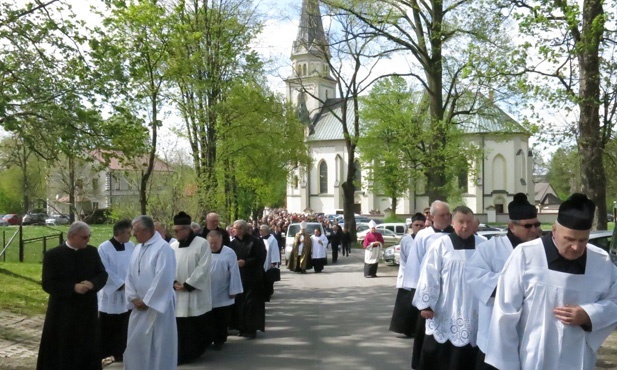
[(260, 139), (398, 142)]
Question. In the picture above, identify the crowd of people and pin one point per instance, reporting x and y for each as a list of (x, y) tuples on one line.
[(157, 304), (525, 300)]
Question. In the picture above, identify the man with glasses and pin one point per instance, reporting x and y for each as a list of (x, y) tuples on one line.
[(482, 271), (193, 289), (556, 299), (72, 274)]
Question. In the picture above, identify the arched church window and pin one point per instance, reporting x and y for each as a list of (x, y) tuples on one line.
[(323, 177), (298, 70), (304, 69), (296, 181)]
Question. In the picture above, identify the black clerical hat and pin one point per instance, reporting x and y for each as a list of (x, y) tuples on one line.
[(576, 212), (182, 219), (520, 208), (418, 217)]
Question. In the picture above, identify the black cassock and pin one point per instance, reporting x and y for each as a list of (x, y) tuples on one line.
[(70, 339), (250, 307)]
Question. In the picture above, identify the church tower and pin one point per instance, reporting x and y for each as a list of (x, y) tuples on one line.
[(310, 83)]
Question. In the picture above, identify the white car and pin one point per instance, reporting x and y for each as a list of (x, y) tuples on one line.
[(392, 255), (293, 229), (57, 220), (389, 237)]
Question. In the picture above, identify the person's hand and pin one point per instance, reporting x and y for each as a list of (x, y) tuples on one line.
[(427, 314), (179, 287), (81, 288), (572, 315), (88, 284), (241, 263), (139, 304)]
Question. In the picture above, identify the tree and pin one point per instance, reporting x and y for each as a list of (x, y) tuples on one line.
[(564, 172), (259, 138), (29, 183), (132, 58), (211, 51), (571, 67), (456, 48), (395, 141)]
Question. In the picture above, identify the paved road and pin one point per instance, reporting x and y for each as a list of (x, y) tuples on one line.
[(337, 319), (333, 320)]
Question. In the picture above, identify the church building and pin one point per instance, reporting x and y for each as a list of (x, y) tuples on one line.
[(505, 170)]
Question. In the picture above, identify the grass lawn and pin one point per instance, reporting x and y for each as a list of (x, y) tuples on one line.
[(20, 283)]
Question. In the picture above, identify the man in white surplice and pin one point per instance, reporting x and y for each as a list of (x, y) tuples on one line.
[(226, 284), (441, 220), (273, 256), (446, 301), (152, 341), (113, 311), (556, 299), (482, 270), (193, 289)]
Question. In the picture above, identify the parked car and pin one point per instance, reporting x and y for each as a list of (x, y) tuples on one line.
[(610, 217), (491, 233), (12, 219), (293, 229), (399, 228), (483, 227), (3, 222), (389, 237), (391, 256), (57, 220), (601, 238), (34, 219)]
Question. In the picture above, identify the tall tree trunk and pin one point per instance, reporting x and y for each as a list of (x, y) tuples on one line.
[(143, 187), (590, 142), (72, 207), (25, 180)]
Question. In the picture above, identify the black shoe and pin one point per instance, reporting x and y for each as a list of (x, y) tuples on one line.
[(251, 336)]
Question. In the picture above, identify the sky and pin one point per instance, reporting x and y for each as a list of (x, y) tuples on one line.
[(274, 44)]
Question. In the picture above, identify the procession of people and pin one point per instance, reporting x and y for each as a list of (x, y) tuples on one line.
[(525, 300)]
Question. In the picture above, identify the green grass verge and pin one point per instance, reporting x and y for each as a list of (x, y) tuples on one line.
[(20, 283)]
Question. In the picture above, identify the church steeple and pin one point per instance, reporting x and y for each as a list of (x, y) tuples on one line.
[(311, 36), (310, 83)]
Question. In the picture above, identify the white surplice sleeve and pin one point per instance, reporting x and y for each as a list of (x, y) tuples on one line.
[(158, 295), (603, 314), (235, 283), (114, 281), (200, 277), (276, 251), (503, 343), (429, 282), (479, 273)]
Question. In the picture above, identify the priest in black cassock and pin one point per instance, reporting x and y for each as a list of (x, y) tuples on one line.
[(250, 306), (72, 274), (212, 223)]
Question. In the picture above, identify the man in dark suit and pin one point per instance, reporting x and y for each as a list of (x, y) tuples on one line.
[(72, 274)]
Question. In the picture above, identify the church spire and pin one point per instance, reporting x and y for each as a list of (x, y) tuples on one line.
[(311, 36), (310, 83)]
